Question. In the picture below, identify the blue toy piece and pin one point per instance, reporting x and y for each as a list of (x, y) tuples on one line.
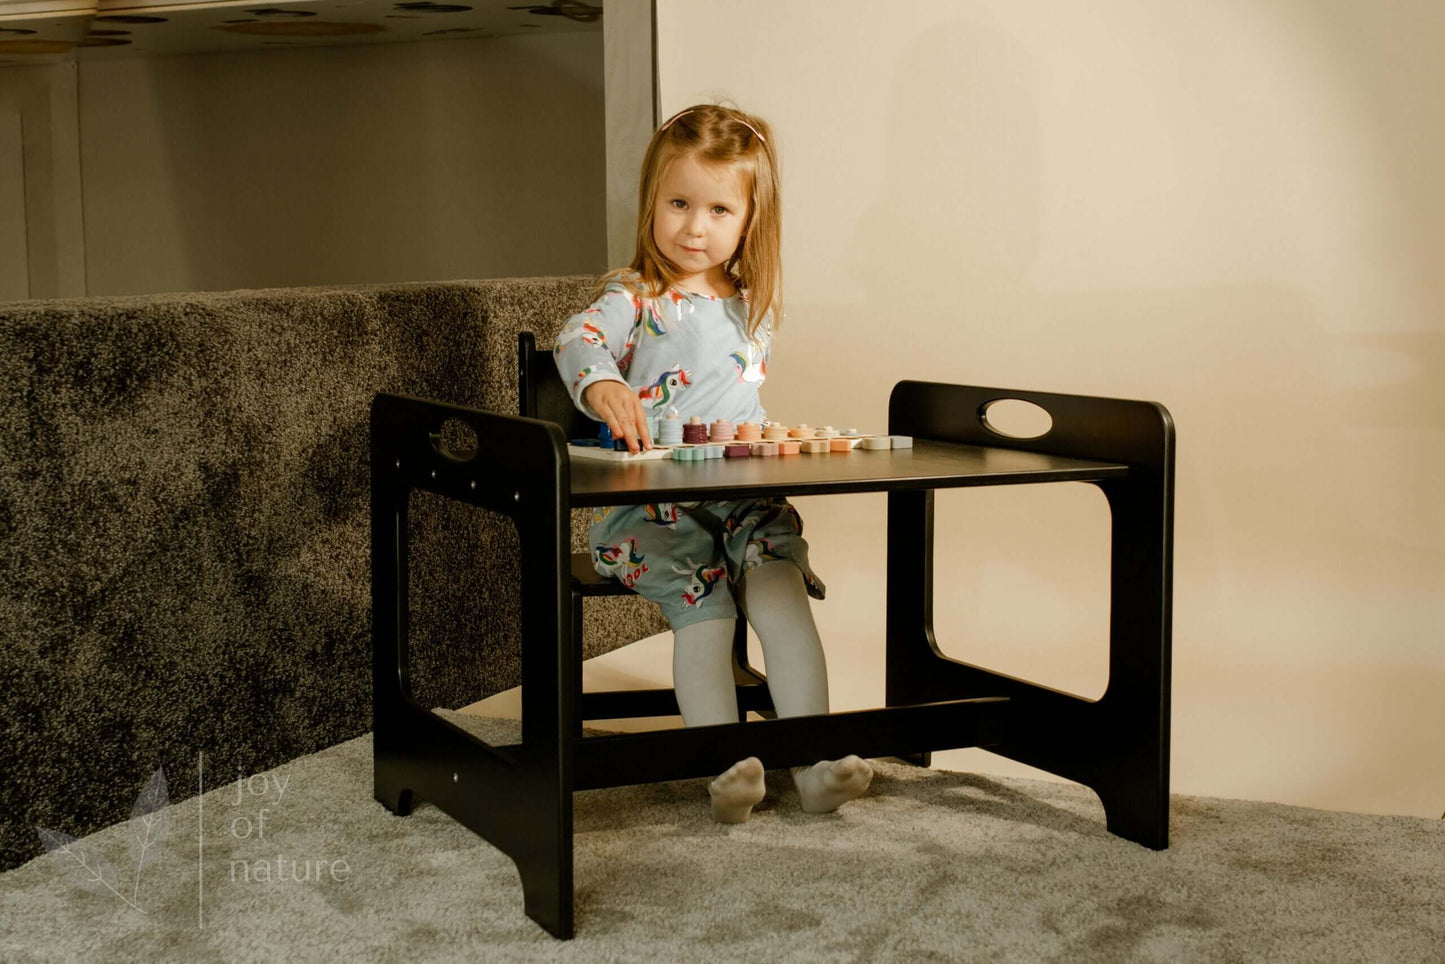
[(607, 440)]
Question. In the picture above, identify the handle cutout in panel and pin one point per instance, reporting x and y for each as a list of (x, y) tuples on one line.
[(455, 440), (1016, 418)]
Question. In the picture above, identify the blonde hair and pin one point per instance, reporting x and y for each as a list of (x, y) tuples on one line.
[(714, 134)]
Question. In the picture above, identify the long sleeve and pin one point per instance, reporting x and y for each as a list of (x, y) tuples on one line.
[(595, 344)]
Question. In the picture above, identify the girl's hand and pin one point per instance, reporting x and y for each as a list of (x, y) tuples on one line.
[(621, 409)]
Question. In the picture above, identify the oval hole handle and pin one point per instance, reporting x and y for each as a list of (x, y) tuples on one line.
[(1016, 418), (455, 440)]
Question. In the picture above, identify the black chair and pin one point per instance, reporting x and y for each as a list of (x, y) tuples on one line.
[(541, 394)]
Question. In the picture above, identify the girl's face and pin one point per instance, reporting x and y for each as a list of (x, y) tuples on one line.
[(699, 216)]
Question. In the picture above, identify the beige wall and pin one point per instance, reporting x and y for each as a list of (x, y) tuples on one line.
[(42, 224), (14, 256), (627, 29), (1232, 208), (341, 165)]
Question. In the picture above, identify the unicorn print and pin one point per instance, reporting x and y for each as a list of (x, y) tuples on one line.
[(624, 364), (586, 330), (679, 299), (662, 513), (759, 551), (704, 581), (664, 390), (733, 524), (753, 368), (581, 375), (623, 562), (652, 321)]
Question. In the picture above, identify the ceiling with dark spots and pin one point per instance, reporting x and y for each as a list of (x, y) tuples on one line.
[(60, 31)]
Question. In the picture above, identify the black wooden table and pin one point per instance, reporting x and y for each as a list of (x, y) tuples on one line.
[(519, 797)]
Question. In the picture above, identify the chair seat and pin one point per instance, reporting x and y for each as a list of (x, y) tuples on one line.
[(589, 582)]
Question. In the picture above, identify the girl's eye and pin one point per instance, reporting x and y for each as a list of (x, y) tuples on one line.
[(679, 203)]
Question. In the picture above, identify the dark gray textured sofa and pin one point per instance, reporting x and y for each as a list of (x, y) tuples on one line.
[(184, 532)]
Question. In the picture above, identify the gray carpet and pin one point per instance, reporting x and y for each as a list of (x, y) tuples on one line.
[(185, 530), (929, 865)]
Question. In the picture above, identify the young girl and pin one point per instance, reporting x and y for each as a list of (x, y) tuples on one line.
[(687, 328)]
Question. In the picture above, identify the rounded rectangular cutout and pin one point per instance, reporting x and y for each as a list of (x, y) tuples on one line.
[(456, 440), (1021, 582), (1016, 418)]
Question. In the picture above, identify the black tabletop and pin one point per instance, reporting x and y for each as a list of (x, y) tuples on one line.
[(928, 465)]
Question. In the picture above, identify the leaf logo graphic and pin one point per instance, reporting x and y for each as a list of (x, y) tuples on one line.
[(150, 825), (86, 870)]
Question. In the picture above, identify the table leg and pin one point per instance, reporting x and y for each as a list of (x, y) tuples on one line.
[(551, 717), (518, 798), (910, 648), (1117, 745), (1130, 764), (389, 658)]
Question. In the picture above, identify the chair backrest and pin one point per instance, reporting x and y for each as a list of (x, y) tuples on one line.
[(542, 394)]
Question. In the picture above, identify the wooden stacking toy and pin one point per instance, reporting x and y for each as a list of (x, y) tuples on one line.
[(695, 440), (670, 431), (694, 432)]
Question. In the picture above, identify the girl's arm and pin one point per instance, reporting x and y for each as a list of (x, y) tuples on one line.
[(593, 341)]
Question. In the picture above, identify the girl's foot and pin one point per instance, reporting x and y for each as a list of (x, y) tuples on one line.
[(736, 792), (826, 786)]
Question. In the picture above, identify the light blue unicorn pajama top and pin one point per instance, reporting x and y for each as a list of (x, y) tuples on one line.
[(688, 353)]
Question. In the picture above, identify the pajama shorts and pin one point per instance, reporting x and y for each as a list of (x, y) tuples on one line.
[(688, 557)]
